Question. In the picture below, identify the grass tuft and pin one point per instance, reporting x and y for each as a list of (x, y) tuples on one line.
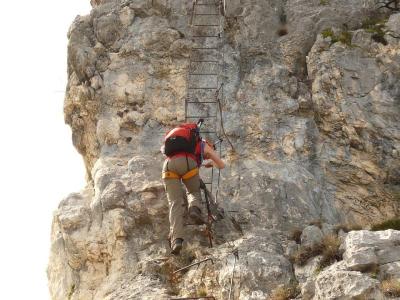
[(377, 27), (389, 224), (328, 248), (391, 287), (328, 32), (372, 22), (71, 291), (330, 251), (344, 36), (285, 292), (202, 291), (304, 253)]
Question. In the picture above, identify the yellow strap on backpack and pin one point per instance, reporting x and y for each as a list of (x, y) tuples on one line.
[(173, 175)]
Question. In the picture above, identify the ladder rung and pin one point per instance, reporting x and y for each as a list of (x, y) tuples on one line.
[(205, 74), (203, 88), (206, 4), (212, 25)]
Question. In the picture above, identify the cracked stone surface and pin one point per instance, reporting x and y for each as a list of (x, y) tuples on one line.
[(314, 125)]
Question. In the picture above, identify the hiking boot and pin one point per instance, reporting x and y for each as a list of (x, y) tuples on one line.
[(195, 215), (177, 246)]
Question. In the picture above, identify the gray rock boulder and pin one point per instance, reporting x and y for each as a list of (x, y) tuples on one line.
[(368, 249), (311, 235), (339, 284), (308, 289), (391, 269)]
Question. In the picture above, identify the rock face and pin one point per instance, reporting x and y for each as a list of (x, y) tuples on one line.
[(368, 250), (315, 127), (369, 257), (337, 284)]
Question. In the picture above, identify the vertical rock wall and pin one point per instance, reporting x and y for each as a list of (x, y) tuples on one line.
[(314, 124)]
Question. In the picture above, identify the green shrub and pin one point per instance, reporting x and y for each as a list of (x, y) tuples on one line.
[(328, 32), (389, 224), (344, 36), (373, 22), (377, 27)]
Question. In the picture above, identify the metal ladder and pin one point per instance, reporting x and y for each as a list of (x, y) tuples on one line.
[(205, 78)]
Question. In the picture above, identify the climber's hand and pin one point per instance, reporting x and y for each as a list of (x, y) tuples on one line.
[(208, 165)]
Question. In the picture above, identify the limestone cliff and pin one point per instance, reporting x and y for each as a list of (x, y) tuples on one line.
[(312, 105)]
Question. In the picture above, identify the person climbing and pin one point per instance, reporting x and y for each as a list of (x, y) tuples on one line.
[(185, 151)]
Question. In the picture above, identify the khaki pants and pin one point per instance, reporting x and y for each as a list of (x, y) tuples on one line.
[(176, 196)]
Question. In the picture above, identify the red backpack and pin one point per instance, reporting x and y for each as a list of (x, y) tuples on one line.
[(182, 139)]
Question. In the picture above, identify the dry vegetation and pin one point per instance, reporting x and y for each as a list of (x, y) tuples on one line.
[(347, 227), (389, 224), (202, 290), (285, 292), (328, 249), (301, 256), (391, 287)]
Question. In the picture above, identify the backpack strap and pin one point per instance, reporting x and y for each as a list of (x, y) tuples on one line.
[(187, 162), (202, 146)]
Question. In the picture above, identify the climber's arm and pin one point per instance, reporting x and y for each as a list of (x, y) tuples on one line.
[(209, 153)]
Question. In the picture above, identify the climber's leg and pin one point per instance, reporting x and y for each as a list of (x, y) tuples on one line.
[(194, 196), (193, 191), (177, 207), (193, 186)]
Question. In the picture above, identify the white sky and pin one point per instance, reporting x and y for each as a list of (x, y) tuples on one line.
[(38, 163)]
